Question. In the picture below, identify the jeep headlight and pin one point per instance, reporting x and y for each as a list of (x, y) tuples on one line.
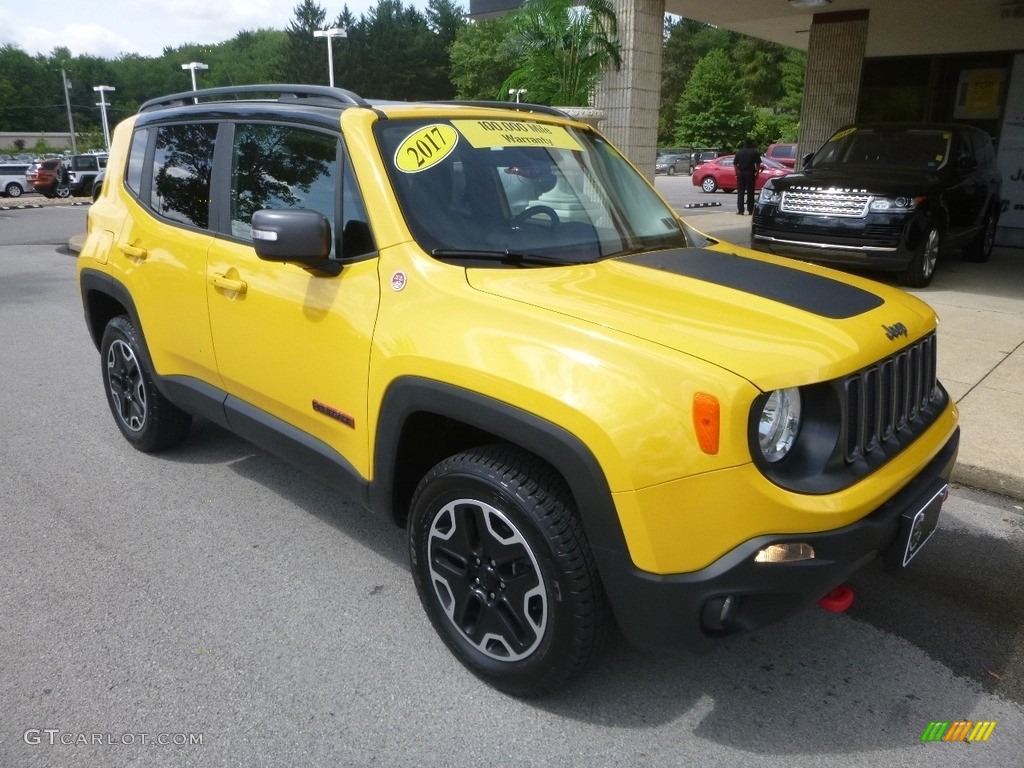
[(779, 425), (768, 195)]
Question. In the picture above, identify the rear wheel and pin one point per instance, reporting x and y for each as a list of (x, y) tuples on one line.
[(13, 189), (145, 417), (671, 170), (708, 184), (921, 270), (504, 571), (980, 249), (62, 191)]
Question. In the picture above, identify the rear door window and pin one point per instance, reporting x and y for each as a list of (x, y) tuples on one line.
[(182, 163)]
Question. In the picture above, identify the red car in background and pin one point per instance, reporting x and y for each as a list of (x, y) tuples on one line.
[(720, 174)]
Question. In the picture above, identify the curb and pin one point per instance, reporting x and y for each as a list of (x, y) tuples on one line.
[(990, 480)]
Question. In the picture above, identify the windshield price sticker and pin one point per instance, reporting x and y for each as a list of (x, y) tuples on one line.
[(493, 134), (425, 148), (843, 134)]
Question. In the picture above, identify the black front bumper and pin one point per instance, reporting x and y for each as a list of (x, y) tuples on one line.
[(877, 241), (665, 612)]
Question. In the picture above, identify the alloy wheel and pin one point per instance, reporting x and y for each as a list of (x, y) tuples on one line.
[(127, 387), (487, 580)]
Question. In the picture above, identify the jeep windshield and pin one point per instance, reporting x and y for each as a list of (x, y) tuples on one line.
[(520, 192), (915, 149)]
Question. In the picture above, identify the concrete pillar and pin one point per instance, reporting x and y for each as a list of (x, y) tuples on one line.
[(835, 59), (630, 96)]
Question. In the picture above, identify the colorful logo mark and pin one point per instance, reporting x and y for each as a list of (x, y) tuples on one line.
[(959, 730)]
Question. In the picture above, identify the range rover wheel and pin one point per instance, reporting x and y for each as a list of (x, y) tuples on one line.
[(145, 417), (921, 269), (708, 184), (13, 189), (62, 191), (980, 249), (504, 571)]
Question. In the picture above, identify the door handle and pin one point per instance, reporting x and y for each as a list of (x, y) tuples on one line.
[(134, 251), (225, 283)]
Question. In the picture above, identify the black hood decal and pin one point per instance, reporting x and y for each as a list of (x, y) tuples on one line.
[(822, 296)]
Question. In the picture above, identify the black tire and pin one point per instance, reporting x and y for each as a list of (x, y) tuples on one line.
[(671, 170), (980, 249), (708, 184), (13, 189), (62, 191), (504, 571), (145, 417), (921, 270)]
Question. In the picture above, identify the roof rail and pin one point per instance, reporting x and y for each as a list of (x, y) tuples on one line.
[(519, 107), (283, 92)]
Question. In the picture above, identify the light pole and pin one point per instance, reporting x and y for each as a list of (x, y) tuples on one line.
[(103, 89), (194, 65), (71, 120), (330, 34), (517, 92)]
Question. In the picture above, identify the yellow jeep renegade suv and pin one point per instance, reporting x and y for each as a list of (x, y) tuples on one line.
[(483, 321)]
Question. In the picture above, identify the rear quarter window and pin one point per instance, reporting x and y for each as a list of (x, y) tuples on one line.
[(136, 161)]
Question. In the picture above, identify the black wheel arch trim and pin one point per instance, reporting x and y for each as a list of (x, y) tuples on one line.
[(552, 443)]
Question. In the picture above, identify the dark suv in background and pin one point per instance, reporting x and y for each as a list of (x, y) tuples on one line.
[(888, 197)]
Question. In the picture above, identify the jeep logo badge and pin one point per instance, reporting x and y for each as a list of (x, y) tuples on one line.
[(893, 332)]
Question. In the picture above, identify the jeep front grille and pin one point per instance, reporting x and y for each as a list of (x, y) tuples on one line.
[(884, 401), (825, 202)]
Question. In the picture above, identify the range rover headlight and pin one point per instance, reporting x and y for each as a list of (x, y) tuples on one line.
[(779, 425), (894, 204), (768, 195)]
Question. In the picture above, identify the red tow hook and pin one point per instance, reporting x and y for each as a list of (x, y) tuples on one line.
[(838, 600)]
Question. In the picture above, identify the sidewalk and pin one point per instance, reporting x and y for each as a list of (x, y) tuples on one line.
[(981, 352)]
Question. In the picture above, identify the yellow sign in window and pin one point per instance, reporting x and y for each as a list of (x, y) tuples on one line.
[(487, 134)]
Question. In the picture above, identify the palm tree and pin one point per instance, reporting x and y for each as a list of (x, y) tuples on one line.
[(562, 49)]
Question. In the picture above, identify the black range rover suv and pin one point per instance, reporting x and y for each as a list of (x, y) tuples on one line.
[(888, 197)]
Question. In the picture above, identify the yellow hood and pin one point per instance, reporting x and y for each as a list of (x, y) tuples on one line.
[(774, 322)]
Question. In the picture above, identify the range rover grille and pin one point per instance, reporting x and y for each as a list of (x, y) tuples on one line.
[(884, 401), (825, 202)]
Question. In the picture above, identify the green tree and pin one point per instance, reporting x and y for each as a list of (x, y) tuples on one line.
[(712, 111), (393, 52), (686, 43), (480, 64), (304, 58), (562, 49)]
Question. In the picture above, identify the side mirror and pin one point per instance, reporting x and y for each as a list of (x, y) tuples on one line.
[(966, 163), (807, 160), (295, 235)]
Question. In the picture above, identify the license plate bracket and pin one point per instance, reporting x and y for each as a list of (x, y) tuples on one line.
[(917, 525)]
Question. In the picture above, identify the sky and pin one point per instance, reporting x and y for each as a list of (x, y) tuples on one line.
[(107, 28)]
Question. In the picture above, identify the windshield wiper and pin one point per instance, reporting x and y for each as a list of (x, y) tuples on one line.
[(505, 257)]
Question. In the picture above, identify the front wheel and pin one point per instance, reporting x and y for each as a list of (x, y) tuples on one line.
[(504, 570), (921, 270), (13, 189), (708, 184), (62, 191), (145, 417)]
